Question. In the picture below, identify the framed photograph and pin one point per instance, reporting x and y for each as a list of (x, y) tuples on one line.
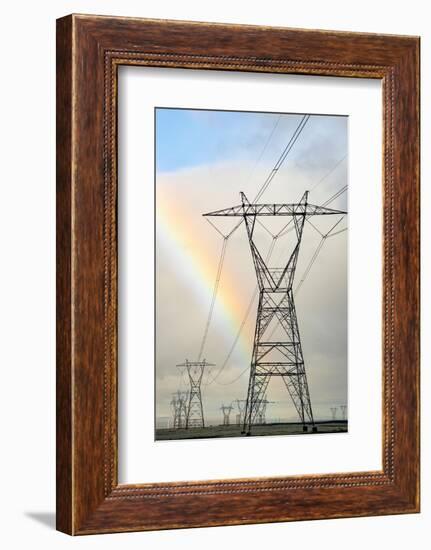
[(237, 274)]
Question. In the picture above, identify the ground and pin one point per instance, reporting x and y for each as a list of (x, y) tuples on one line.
[(291, 428)]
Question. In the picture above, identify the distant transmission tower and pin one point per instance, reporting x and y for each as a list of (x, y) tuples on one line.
[(240, 403), (282, 358), (195, 411), (226, 410), (334, 413), (343, 411), (261, 414), (174, 407), (179, 404)]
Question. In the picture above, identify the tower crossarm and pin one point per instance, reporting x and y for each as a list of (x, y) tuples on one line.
[(196, 364), (277, 209)]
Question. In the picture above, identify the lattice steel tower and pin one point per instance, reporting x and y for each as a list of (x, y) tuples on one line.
[(179, 404), (175, 412), (261, 413), (284, 357), (195, 410), (226, 410), (240, 403), (343, 411)]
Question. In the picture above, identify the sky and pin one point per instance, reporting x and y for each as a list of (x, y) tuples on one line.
[(203, 160)]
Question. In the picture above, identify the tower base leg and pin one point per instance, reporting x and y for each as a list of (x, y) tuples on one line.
[(314, 429), (305, 428)]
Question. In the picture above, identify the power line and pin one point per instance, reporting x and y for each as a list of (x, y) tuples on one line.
[(310, 263), (285, 230), (334, 226), (265, 228), (314, 227), (235, 379), (315, 255), (337, 194), (241, 327), (304, 276), (216, 228), (281, 233), (223, 252), (317, 251), (213, 299), (283, 156), (338, 232), (331, 199), (265, 185), (264, 148), (276, 280), (279, 162), (329, 173), (182, 380)]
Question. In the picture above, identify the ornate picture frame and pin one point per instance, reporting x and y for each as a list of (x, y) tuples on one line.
[(89, 51)]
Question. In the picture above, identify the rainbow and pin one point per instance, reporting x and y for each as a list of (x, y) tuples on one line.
[(195, 266)]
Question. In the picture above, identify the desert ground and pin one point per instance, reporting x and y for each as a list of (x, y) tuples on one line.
[(234, 430)]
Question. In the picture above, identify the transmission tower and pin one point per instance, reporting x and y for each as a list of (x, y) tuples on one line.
[(174, 407), (343, 411), (240, 403), (226, 410), (184, 408), (179, 403), (261, 413), (195, 412), (334, 413), (282, 358)]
